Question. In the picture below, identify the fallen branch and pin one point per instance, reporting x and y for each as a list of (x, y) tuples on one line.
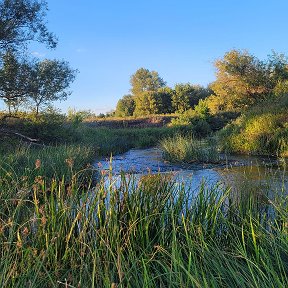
[(11, 132)]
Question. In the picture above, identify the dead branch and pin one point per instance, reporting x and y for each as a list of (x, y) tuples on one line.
[(11, 132)]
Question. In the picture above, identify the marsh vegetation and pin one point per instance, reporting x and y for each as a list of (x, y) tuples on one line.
[(67, 223)]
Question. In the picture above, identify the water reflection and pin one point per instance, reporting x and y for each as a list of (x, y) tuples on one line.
[(239, 172)]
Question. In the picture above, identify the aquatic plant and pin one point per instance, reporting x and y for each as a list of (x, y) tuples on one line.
[(188, 149)]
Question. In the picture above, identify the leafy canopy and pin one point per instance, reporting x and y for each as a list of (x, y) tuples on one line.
[(22, 21)]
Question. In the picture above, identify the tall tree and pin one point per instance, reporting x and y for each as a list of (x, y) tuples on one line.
[(22, 21), (243, 80), (49, 81), (144, 80)]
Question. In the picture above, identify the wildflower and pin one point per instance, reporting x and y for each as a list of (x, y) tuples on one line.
[(37, 163)]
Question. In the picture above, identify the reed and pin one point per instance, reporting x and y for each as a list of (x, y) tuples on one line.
[(188, 149), (150, 233)]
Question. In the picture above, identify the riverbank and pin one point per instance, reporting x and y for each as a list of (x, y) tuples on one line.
[(151, 234), (58, 228)]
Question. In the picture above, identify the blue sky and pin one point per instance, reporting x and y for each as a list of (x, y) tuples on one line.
[(107, 41)]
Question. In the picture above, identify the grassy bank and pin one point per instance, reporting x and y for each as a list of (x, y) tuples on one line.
[(151, 234), (59, 229), (262, 130)]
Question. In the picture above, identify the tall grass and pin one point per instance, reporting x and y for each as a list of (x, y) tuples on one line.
[(187, 149), (147, 234)]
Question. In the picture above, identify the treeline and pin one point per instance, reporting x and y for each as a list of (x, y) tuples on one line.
[(242, 80), (150, 95)]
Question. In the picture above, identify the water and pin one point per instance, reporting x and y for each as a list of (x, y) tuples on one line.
[(241, 170)]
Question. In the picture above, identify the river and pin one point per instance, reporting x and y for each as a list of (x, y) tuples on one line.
[(259, 172)]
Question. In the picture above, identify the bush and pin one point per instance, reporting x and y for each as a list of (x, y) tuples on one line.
[(262, 130)]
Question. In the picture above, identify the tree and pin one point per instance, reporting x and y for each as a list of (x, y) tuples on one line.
[(13, 80), (165, 97), (144, 80), (187, 95), (148, 103), (243, 80), (125, 106), (49, 81), (22, 21)]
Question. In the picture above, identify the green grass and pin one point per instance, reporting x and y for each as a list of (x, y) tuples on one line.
[(187, 149), (58, 228), (147, 234)]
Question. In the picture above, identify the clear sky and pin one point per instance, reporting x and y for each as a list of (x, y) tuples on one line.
[(108, 40)]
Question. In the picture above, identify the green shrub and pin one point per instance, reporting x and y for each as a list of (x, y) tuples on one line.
[(262, 130)]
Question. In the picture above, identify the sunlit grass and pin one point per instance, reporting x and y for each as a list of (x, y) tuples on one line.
[(147, 234), (188, 149)]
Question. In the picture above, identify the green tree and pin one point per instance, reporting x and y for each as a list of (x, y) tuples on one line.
[(165, 95), (49, 81), (13, 79), (125, 106), (185, 96), (243, 80), (148, 103), (22, 21), (144, 80)]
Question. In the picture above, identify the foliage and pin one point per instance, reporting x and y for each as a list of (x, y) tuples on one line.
[(77, 117), (48, 81), (22, 21), (243, 80), (151, 234), (45, 162), (148, 103), (144, 80), (21, 80), (165, 95), (186, 96), (197, 118), (261, 130), (125, 106), (13, 80)]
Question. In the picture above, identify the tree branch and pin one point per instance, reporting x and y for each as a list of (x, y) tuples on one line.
[(11, 132)]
